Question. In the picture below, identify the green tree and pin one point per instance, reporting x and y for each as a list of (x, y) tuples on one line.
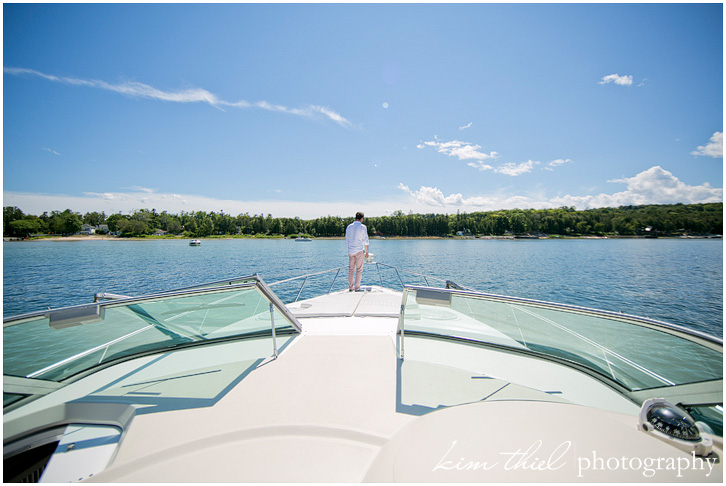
[(518, 223), (10, 214), (113, 221), (26, 227), (170, 223), (65, 223), (133, 227), (94, 218), (626, 220)]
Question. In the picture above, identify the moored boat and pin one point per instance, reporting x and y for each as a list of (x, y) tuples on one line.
[(415, 379)]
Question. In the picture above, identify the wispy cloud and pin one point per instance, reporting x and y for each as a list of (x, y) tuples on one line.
[(617, 79), (48, 149), (556, 163), (653, 186), (135, 89), (461, 129), (714, 148), (147, 190)]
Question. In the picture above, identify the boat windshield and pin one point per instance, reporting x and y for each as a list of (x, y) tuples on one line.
[(47, 348), (635, 353)]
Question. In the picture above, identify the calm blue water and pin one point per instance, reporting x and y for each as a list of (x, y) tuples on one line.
[(677, 281)]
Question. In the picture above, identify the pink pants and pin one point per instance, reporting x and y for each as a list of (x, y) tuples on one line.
[(355, 262)]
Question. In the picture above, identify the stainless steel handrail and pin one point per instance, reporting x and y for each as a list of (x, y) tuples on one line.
[(447, 283), (305, 279)]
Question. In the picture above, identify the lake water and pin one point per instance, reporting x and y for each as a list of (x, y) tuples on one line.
[(673, 280)]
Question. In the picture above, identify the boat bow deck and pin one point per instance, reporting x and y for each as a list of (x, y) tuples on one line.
[(369, 302)]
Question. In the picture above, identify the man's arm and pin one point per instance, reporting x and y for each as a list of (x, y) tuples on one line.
[(365, 240)]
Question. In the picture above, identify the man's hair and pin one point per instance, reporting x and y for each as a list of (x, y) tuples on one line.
[(358, 216)]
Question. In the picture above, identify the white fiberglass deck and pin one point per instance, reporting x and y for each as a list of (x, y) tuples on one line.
[(338, 406), (439, 373), (369, 302)]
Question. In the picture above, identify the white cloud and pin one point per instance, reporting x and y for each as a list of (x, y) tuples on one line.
[(432, 199), (459, 149), (432, 196), (617, 79), (330, 114), (109, 196), (714, 148), (556, 163), (653, 186), (513, 169), (472, 152), (191, 95), (480, 165), (465, 127)]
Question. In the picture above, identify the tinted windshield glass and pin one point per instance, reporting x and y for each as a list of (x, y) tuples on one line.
[(637, 354), (65, 342)]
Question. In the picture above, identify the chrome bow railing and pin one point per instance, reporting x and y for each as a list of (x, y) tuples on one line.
[(399, 276)]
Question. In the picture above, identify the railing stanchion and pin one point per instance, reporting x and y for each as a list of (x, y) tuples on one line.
[(301, 287), (274, 338), (336, 276), (400, 330), (399, 277)]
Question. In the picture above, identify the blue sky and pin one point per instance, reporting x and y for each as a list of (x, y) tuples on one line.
[(313, 110)]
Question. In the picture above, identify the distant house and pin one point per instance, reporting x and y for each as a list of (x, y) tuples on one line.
[(161, 233), (88, 229)]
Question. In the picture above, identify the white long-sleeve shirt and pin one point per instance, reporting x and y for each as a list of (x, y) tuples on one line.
[(356, 237)]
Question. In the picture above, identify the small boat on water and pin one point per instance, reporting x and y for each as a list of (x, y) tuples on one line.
[(414, 379), (195, 242), (301, 238)]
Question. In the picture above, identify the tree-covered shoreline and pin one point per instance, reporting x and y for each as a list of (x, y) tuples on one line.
[(646, 220)]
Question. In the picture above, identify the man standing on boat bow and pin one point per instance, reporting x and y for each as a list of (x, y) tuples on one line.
[(356, 237)]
